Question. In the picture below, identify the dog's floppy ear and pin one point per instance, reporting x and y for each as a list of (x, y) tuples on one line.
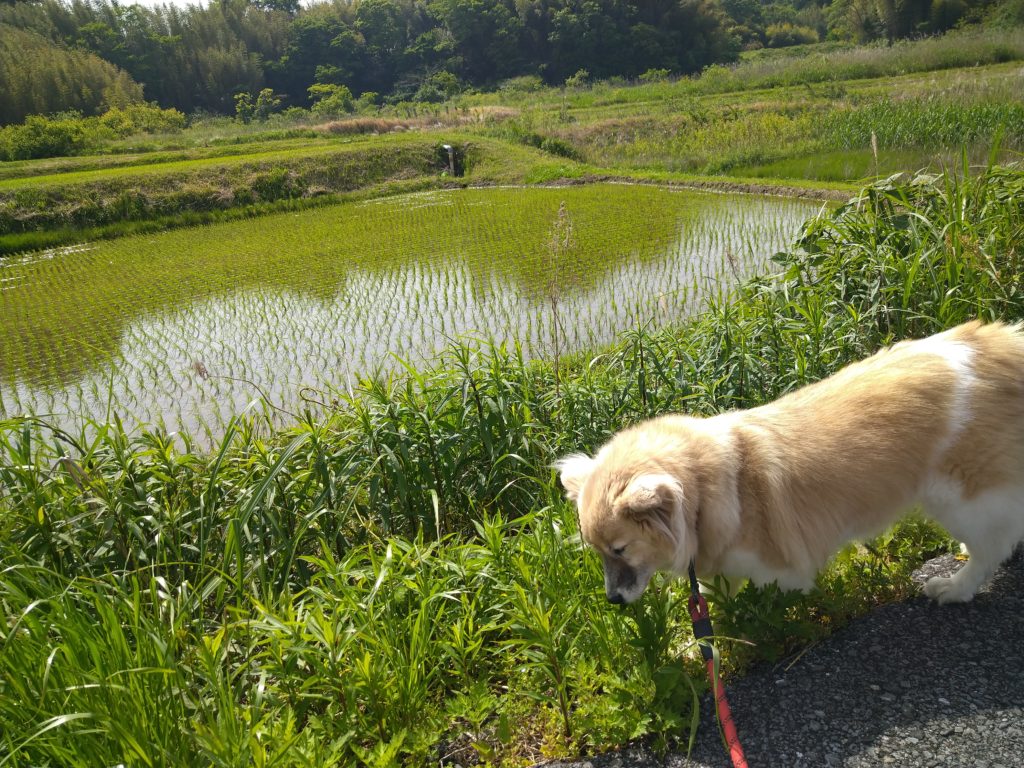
[(653, 500), (573, 472)]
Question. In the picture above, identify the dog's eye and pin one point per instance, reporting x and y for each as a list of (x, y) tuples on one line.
[(617, 551)]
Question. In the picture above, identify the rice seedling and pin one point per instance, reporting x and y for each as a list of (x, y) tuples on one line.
[(315, 300)]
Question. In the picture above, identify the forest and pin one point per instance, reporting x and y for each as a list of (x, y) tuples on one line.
[(90, 56)]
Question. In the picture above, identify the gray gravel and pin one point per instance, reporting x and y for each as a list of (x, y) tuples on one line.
[(911, 684)]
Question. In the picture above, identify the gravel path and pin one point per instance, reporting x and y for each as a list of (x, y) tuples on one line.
[(911, 684)]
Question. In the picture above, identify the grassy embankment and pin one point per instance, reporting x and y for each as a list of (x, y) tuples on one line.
[(825, 118), (402, 582), (115, 199), (797, 126)]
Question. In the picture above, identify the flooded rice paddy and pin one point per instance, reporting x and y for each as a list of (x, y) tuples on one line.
[(187, 327)]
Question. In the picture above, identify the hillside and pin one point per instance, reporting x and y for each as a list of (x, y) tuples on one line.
[(222, 56)]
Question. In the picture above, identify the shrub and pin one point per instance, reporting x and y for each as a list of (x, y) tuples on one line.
[(437, 88), (559, 147), (521, 84), (70, 134), (654, 76), (368, 101), (244, 107), (1009, 13), (784, 35), (42, 136), (142, 118), (578, 80), (331, 100), (295, 114), (266, 104)]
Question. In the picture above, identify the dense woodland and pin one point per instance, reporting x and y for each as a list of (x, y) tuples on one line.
[(89, 56)]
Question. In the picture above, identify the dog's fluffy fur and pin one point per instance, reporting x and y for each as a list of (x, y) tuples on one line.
[(771, 493)]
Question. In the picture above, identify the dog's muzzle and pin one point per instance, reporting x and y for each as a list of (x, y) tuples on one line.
[(621, 582)]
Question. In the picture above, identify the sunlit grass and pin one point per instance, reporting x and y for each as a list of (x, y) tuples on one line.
[(788, 127)]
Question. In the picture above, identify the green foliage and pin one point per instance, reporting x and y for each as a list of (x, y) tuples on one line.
[(654, 76), (71, 134), (216, 659), (187, 188), (814, 123), (44, 137), (200, 56), (578, 79), (929, 122), (521, 84), (142, 118), (244, 108), (61, 56), (786, 34), (521, 132), (1007, 14), (368, 102), (331, 100), (439, 87), (261, 109), (299, 597), (38, 76), (266, 104)]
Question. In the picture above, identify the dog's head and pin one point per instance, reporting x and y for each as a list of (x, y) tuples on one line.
[(632, 513)]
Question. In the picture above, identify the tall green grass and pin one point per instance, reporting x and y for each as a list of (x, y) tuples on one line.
[(794, 130), (402, 583), (922, 123)]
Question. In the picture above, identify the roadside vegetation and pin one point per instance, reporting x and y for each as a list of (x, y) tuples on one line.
[(401, 582)]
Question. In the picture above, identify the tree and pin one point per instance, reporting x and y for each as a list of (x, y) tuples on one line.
[(266, 104), (331, 100), (40, 77), (382, 24), (291, 7), (244, 108), (485, 33), (316, 38)]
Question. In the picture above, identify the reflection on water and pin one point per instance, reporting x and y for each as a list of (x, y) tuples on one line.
[(195, 363)]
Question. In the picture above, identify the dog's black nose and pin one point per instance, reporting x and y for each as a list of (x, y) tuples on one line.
[(616, 598)]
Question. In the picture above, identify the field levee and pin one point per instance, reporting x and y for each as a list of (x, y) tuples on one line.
[(70, 202)]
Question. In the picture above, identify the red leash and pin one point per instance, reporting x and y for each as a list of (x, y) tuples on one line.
[(701, 631)]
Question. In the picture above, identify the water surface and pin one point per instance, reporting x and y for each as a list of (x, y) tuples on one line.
[(187, 327)]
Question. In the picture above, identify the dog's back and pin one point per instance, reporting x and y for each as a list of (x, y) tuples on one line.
[(771, 493)]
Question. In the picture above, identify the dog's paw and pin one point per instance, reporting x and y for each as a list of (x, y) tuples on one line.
[(948, 589)]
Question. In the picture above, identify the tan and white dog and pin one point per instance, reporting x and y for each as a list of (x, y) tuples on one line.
[(771, 493)]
